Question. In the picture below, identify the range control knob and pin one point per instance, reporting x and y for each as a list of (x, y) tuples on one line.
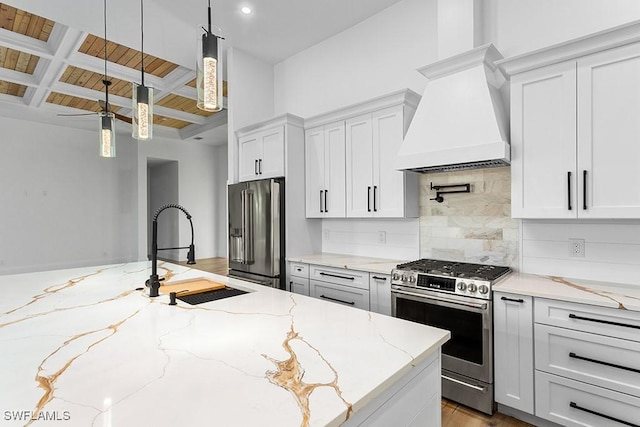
[(483, 289), (472, 287), (396, 276), (412, 278), (462, 286), (404, 277)]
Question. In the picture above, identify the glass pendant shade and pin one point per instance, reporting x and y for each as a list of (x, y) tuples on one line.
[(107, 134), (142, 106), (209, 74)]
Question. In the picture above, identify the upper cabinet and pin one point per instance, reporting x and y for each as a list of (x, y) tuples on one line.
[(349, 159), (261, 154), (574, 129)]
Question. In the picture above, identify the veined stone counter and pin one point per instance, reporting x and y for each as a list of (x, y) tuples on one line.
[(84, 347), (373, 265), (625, 297)]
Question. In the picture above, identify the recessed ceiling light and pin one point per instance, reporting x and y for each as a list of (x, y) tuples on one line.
[(246, 10)]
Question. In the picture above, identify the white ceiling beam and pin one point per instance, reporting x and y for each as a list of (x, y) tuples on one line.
[(25, 44), (17, 77), (218, 119)]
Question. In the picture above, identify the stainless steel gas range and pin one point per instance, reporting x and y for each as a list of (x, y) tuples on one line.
[(455, 296)]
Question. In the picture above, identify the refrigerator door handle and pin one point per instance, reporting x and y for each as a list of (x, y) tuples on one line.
[(247, 226)]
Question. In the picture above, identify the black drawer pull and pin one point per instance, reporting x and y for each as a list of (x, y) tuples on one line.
[(607, 322), (337, 300), (298, 269), (609, 417), (378, 278), (520, 300), (569, 188), (336, 275), (599, 362)]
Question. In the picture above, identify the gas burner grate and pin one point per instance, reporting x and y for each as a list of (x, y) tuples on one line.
[(456, 269)]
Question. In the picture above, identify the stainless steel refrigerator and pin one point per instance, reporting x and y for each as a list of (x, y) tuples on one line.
[(256, 231)]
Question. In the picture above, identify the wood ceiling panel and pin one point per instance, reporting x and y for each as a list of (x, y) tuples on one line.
[(181, 103), (12, 89), (169, 122), (17, 61), (192, 84), (76, 102), (90, 80), (119, 54), (25, 23)]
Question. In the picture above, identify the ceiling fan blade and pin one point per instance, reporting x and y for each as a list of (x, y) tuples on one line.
[(123, 118)]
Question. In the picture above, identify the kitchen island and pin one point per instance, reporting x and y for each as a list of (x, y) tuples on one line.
[(85, 346)]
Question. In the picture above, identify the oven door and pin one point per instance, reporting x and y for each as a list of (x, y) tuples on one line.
[(469, 352)]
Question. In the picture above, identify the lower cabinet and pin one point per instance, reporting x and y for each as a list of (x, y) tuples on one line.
[(353, 297), (299, 285), (513, 350), (380, 293)]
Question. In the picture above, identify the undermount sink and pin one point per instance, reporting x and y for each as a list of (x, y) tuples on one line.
[(208, 296)]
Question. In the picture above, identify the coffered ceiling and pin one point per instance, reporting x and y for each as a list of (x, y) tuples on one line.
[(52, 53)]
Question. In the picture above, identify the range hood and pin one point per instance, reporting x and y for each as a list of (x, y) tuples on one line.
[(462, 120)]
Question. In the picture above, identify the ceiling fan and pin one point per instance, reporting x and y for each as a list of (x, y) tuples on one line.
[(103, 109)]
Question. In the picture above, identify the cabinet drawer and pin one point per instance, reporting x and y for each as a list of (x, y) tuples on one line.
[(298, 285), (299, 270), (596, 359), (351, 297), (340, 276), (589, 318), (573, 403)]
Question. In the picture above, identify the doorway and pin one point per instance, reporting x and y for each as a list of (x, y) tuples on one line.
[(162, 189)]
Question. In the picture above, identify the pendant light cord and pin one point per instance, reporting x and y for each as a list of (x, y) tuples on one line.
[(105, 81), (142, 39), (209, 17)]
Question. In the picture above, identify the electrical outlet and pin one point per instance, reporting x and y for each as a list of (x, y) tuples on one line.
[(382, 237), (576, 248), (325, 234)]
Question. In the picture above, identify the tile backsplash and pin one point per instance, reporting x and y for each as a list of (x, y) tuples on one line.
[(471, 227)]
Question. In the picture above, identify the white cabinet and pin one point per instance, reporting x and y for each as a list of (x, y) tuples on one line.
[(374, 187), (574, 135), (513, 351), (299, 278), (261, 154), (349, 160), (587, 364), (380, 293), (325, 171), (346, 295)]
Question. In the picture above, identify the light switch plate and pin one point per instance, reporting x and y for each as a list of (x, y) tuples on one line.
[(382, 237)]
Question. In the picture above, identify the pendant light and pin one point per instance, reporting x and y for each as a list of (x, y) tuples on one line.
[(209, 71), (106, 124), (142, 98)]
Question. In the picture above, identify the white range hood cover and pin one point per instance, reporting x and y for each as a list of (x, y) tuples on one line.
[(461, 121)]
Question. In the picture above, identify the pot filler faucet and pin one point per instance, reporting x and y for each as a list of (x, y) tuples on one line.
[(154, 282)]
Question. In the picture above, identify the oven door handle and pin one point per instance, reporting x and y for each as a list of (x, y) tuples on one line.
[(466, 384), (478, 306)]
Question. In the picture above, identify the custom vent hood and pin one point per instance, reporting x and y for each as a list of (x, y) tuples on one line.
[(462, 120)]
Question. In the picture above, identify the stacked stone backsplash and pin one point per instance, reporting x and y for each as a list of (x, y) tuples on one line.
[(472, 227)]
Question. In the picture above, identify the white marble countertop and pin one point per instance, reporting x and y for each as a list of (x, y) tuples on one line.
[(373, 265), (625, 297), (83, 345)]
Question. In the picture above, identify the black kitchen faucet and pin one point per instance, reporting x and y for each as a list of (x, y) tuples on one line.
[(154, 281)]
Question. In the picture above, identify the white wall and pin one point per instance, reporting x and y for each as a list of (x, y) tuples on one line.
[(376, 57), (221, 173), (519, 26), (62, 205), (198, 192)]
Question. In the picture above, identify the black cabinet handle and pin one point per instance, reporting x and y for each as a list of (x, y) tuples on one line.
[(606, 322), (337, 300), (338, 276), (609, 417), (600, 362), (298, 269), (375, 208), (520, 300), (325, 200), (255, 167), (379, 278), (569, 189), (368, 199), (584, 190), (321, 210), (260, 166)]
